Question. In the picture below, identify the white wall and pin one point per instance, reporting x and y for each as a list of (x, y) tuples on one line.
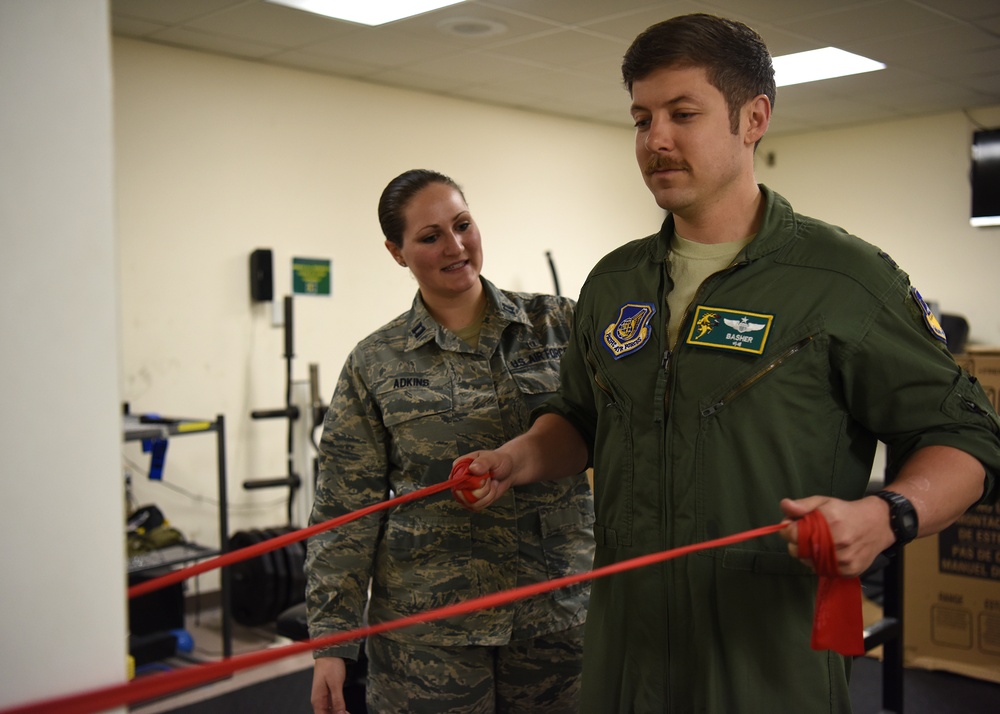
[(62, 624), (903, 186), (217, 157)]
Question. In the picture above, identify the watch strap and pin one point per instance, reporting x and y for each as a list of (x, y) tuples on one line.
[(902, 519)]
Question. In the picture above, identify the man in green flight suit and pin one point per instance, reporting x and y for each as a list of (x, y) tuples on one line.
[(735, 369)]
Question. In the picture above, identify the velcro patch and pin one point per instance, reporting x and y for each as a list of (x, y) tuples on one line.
[(933, 326), (724, 329), (631, 330)]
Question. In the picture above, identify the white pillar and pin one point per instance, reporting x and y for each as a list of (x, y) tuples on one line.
[(63, 620)]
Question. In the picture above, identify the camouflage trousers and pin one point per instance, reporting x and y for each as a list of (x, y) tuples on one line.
[(527, 677)]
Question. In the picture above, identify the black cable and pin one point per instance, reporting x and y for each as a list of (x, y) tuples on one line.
[(552, 267), (292, 412), (197, 497)]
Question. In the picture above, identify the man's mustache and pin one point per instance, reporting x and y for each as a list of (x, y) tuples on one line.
[(662, 163)]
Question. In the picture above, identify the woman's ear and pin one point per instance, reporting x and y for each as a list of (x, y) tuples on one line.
[(397, 255)]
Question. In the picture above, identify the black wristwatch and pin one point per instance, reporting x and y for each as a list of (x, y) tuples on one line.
[(902, 519)]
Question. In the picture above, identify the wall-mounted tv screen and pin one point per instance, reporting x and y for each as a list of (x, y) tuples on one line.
[(986, 178)]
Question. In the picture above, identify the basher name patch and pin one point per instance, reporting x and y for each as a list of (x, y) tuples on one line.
[(726, 329)]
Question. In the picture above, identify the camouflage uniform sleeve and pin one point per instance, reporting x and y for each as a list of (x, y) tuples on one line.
[(353, 468)]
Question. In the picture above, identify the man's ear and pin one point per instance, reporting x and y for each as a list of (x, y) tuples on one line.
[(394, 251), (758, 113)]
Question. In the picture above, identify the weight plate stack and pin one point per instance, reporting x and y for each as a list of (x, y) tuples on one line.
[(267, 585), (281, 583), (252, 595), (296, 571)]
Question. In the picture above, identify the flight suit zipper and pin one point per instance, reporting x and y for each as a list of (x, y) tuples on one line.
[(755, 377), (597, 378)]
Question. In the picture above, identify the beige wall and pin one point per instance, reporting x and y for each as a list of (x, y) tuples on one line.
[(216, 157), (903, 186)]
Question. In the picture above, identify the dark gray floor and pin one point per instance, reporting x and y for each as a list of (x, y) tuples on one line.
[(288, 694), (924, 692)]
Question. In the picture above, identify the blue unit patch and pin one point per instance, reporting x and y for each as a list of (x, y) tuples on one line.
[(929, 320), (725, 329), (631, 331)]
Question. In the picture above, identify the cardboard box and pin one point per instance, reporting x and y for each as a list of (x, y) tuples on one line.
[(951, 597)]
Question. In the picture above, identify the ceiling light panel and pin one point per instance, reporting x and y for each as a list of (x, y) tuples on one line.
[(825, 63), (367, 12)]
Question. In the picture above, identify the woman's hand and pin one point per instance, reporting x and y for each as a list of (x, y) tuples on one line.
[(328, 686)]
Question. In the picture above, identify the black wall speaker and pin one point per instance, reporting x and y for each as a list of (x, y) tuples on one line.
[(261, 275)]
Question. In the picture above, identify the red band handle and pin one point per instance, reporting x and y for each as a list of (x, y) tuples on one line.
[(465, 483), (838, 624)]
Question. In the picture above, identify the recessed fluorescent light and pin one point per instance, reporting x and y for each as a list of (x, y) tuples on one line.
[(367, 12), (815, 65)]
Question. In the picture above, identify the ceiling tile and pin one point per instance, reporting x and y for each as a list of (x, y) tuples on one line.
[(775, 11), (564, 56), (954, 66), (990, 24), (213, 43), (933, 44), (430, 24), (270, 24), (854, 23), (834, 112), (965, 9), (479, 68), (988, 84), (628, 25), (570, 12), (564, 48), (379, 47), (779, 42), (128, 27), (936, 97), (169, 13)]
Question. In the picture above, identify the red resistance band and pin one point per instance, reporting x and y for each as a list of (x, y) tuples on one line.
[(463, 483), (838, 622), (252, 551), (460, 481)]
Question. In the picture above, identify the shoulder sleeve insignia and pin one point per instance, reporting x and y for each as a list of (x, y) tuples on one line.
[(931, 322), (631, 330), (888, 259), (726, 329)]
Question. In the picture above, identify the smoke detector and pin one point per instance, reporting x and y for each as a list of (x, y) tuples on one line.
[(472, 27)]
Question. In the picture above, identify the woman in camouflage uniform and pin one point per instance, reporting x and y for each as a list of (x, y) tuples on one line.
[(460, 370)]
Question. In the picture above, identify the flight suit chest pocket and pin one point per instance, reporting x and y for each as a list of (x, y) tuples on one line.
[(418, 411)]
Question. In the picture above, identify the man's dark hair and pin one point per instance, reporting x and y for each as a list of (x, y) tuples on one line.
[(397, 194), (734, 57)]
